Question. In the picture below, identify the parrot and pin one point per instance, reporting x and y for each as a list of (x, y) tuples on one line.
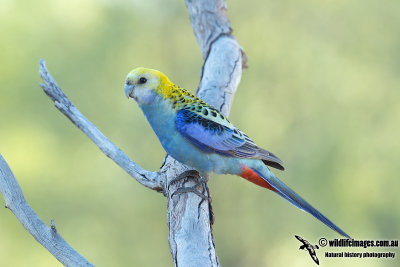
[(198, 135)]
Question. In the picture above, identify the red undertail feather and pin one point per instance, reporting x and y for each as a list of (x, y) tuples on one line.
[(252, 176)]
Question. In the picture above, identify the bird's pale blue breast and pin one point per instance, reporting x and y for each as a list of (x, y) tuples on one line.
[(163, 119)]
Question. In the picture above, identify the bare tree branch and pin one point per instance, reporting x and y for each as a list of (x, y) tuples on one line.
[(189, 218), (147, 178), (48, 237)]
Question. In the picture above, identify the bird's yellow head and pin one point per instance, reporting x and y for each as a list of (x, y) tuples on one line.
[(144, 85)]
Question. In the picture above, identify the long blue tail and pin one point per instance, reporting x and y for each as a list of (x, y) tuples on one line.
[(291, 196)]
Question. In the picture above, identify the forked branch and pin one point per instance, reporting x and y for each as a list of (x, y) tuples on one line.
[(48, 237)]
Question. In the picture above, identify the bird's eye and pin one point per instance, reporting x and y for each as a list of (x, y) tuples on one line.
[(142, 80)]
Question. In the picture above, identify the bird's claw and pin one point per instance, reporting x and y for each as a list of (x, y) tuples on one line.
[(191, 189), (184, 175), (201, 181)]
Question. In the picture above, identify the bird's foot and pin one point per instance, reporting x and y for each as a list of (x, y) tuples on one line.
[(186, 174), (191, 189), (201, 182)]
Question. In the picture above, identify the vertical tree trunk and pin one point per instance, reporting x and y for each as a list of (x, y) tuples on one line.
[(189, 217)]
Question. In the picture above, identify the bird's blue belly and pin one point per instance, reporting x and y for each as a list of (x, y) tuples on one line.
[(184, 151), (162, 120)]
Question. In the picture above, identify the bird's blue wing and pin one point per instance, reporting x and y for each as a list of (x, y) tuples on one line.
[(209, 130)]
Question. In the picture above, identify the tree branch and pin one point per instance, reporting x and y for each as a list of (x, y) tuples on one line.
[(189, 218), (149, 179), (48, 237)]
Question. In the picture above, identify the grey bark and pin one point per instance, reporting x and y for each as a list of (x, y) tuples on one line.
[(189, 216), (61, 101), (48, 237)]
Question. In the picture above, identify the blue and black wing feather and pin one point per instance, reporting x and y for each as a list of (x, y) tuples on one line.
[(205, 127)]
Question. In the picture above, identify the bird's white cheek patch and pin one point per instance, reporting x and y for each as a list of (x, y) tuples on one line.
[(144, 96)]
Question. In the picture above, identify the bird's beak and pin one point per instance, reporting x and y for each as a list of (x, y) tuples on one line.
[(129, 90)]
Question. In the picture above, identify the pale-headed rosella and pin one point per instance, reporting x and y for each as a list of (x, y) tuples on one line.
[(197, 134)]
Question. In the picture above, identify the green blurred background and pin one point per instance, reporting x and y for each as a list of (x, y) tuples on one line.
[(322, 91)]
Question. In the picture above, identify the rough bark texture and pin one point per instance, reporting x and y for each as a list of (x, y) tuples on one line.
[(48, 237), (189, 218)]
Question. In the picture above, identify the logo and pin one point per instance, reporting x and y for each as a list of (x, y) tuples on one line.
[(310, 248)]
